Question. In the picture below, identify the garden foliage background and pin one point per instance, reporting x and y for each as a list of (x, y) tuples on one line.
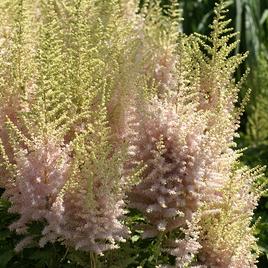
[(250, 18)]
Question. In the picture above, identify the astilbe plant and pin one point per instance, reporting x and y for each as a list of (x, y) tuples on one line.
[(185, 137), (105, 107), (58, 161)]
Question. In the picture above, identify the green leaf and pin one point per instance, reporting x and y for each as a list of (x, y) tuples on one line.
[(264, 17), (6, 257)]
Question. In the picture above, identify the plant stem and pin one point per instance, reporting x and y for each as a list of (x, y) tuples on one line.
[(93, 260)]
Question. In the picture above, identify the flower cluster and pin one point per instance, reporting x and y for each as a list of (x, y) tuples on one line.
[(184, 136), (40, 174), (108, 106), (59, 165)]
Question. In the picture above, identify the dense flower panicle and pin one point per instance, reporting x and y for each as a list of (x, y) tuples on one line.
[(157, 35), (168, 193), (87, 214), (37, 174), (182, 168), (86, 228), (227, 236), (41, 173), (189, 164)]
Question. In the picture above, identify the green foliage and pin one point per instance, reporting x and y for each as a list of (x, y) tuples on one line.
[(255, 138), (249, 19), (257, 127), (51, 256), (137, 252), (134, 253)]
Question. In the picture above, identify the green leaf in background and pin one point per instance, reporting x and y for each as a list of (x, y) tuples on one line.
[(6, 257), (264, 17)]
